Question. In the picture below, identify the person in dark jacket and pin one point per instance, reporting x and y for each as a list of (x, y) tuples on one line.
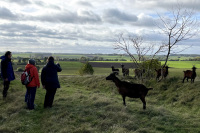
[(49, 79), (7, 72)]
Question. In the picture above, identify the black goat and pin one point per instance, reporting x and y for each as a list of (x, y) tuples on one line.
[(190, 74), (164, 71), (116, 71), (125, 71), (130, 89)]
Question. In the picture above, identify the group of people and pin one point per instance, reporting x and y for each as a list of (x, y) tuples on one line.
[(49, 79)]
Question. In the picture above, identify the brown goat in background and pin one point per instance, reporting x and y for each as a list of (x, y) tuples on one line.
[(125, 71), (190, 74), (159, 72)]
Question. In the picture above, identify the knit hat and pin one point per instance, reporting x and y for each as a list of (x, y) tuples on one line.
[(31, 61)]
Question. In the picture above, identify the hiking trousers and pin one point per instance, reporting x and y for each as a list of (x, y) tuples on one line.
[(49, 97), (6, 85), (31, 91)]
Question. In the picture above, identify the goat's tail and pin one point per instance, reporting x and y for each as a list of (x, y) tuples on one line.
[(150, 88)]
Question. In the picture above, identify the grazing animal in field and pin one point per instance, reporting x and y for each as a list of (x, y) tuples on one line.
[(116, 71), (129, 89), (139, 72), (190, 74), (159, 72), (125, 71)]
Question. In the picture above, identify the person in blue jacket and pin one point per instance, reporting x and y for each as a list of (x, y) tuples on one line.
[(49, 79), (7, 72)]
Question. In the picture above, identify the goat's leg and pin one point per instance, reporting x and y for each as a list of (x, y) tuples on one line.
[(124, 102), (192, 80), (144, 102), (158, 78), (184, 79)]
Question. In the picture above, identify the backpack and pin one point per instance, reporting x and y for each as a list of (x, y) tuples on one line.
[(26, 77)]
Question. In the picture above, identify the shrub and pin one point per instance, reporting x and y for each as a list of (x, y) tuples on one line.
[(86, 69), (19, 69), (150, 66)]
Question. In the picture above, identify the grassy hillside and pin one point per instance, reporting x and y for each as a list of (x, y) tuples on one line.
[(92, 104)]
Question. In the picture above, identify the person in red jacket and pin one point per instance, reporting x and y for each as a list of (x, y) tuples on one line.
[(33, 85)]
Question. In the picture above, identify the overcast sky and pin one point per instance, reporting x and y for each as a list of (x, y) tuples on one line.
[(82, 26)]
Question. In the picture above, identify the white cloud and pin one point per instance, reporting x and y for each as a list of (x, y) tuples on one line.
[(79, 25)]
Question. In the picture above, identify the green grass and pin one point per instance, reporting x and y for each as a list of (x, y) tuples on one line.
[(72, 56), (23, 55), (87, 104), (68, 68), (71, 68), (113, 61), (183, 64), (174, 64)]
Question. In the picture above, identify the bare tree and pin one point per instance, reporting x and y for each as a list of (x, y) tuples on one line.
[(178, 25), (123, 44), (137, 45), (132, 45)]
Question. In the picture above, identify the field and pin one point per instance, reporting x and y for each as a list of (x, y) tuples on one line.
[(71, 68), (90, 104), (104, 56)]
